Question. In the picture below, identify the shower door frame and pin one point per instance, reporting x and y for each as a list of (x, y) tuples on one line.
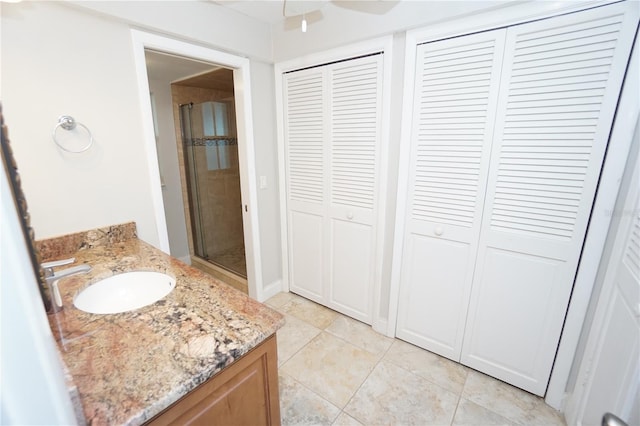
[(246, 150)]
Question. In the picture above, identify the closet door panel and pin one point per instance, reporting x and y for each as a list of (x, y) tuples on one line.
[(355, 95), (560, 85), (351, 268), (306, 176), (518, 287), (455, 98), (433, 322), (608, 378), (612, 379), (306, 255)]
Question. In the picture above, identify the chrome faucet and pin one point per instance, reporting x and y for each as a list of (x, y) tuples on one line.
[(52, 278)]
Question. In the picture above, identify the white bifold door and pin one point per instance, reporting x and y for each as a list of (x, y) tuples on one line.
[(510, 128), (609, 374), (332, 145)]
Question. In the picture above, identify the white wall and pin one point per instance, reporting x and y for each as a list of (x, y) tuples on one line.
[(77, 60), (264, 126), (56, 60), (202, 21), (335, 26), (169, 169)]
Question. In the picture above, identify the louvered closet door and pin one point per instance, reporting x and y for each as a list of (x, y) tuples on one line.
[(613, 348), (306, 173), (454, 110), (560, 84), (355, 88)]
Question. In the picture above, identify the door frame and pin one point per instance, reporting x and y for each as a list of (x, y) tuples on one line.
[(246, 150), (604, 202)]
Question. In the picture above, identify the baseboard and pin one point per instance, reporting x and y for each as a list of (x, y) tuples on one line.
[(271, 290), (382, 326)]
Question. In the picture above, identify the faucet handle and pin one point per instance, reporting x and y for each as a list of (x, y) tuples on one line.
[(55, 263)]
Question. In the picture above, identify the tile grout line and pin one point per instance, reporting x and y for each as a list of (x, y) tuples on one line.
[(303, 346), (316, 394), (299, 350), (364, 381), (460, 394), (390, 361), (377, 363)]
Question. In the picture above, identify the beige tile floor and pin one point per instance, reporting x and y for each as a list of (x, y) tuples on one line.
[(334, 370)]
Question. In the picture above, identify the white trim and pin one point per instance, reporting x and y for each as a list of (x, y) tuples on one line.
[(379, 323), (609, 182), (380, 44), (272, 289), (403, 179), (576, 400), (368, 47), (610, 179), (246, 153), (504, 17), (150, 144), (282, 185)]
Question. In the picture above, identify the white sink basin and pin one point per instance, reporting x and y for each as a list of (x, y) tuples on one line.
[(124, 292)]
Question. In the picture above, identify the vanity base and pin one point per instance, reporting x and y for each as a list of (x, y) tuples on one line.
[(244, 393)]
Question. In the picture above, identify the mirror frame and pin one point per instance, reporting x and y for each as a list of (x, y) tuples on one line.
[(20, 202)]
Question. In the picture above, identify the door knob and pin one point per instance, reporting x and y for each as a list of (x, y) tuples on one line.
[(438, 231), (350, 215), (610, 419)]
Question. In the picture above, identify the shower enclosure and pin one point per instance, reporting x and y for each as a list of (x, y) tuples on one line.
[(213, 183)]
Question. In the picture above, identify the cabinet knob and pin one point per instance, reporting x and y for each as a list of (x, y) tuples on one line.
[(350, 215), (438, 231)]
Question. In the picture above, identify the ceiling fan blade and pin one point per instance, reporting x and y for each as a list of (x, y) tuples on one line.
[(301, 7), (375, 7)]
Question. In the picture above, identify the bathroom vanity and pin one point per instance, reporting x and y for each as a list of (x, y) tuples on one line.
[(245, 393), (205, 352)]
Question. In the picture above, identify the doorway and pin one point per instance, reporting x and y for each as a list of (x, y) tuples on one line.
[(238, 67), (194, 114)]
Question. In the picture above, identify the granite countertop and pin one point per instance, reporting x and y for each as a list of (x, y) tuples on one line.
[(128, 367)]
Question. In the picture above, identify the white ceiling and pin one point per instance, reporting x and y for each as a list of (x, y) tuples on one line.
[(274, 11), (269, 11)]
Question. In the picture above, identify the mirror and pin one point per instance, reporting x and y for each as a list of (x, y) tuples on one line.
[(20, 202)]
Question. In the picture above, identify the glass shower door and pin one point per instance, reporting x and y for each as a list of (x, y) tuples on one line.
[(213, 183)]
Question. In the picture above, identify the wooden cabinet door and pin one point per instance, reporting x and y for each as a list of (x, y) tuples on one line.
[(245, 393), (455, 98), (560, 84)]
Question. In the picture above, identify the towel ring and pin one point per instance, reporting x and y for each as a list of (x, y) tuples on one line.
[(67, 122)]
